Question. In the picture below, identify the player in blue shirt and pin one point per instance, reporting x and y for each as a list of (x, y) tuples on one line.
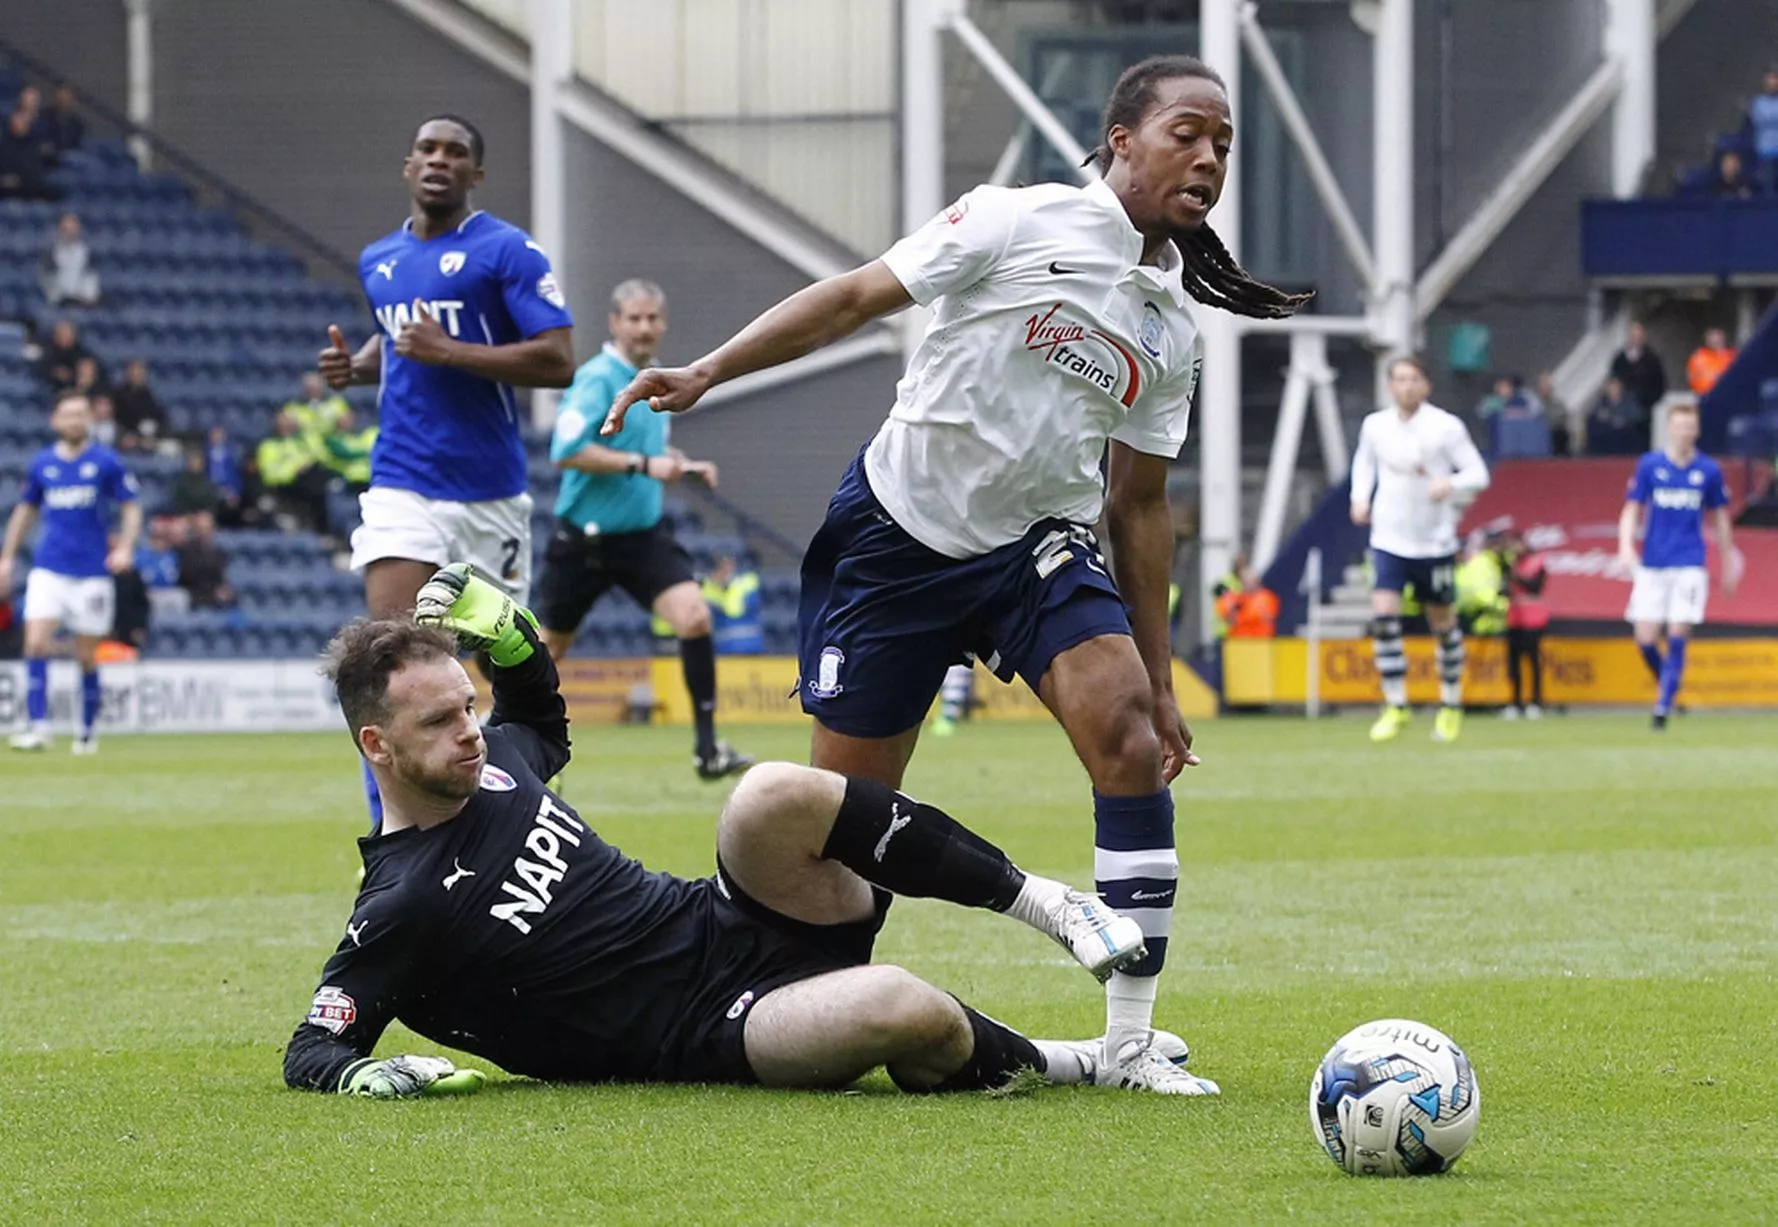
[(1677, 486), (608, 528), (73, 485), (468, 308)]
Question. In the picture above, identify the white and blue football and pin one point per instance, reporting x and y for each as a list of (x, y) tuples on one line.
[(1394, 1098)]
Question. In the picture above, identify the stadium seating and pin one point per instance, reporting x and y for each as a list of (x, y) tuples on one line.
[(228, 325)]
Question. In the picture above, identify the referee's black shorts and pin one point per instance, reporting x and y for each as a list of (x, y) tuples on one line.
[(579, 569)]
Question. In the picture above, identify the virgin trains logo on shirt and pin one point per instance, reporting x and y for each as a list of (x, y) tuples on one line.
[(1085, 353)]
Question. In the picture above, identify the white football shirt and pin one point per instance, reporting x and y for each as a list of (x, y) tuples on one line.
[(1400, 457), (1048, 338)]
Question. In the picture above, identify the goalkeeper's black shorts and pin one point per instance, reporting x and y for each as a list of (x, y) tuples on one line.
[(753, 951)]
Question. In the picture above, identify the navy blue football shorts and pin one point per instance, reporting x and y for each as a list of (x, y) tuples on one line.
[(883, 617), (1434, 579)]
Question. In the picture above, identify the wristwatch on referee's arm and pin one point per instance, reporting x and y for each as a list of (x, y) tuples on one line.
[(639, 465)]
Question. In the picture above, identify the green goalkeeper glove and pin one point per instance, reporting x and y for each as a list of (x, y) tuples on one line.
[(407, 1077), (479, 614)]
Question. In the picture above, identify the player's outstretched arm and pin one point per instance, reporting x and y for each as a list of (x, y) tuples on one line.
[(1364, 475), (17, 525), (812, 317), (1470, 475), (342, 368), (545, 360), (1628, 521), (527, 702)]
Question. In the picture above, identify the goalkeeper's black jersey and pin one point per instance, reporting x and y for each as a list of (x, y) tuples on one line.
[(511, 931)]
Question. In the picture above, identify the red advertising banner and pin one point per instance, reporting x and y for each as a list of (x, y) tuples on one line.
[(1568, 510)]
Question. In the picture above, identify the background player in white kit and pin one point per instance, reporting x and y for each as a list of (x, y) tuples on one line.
[(73, 485), (1414, 471), (1060, 341), (1678, 486)]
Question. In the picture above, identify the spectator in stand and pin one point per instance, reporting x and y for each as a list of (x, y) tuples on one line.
[(140, 419), (1709, 360), (130, 617), (1731, 181), (193, 491), (90, 379), (1249, 609), (203, 568), (1618, 425), (1561, 418), (104, 420), (1527, 617), (222, 462), (1640, 370), (157, 557), (346, 449), (22, 173), (66, 266), (62, 122), (734, 599), (63, 353), (1762, 130), (290, 468), (1495, 401), (318, 411)]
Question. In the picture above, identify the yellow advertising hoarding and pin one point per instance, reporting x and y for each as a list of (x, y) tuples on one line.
[(1576, 672)]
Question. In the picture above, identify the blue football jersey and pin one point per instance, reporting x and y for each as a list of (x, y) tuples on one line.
[(445, 433), (1677, 496), (75, 498), (609, 502)]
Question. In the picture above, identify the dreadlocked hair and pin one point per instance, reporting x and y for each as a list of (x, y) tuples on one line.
[(1211, 275)]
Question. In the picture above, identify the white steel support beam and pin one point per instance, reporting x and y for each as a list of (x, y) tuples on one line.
[(1630, 39), (1007, 165), (923, 23), (139, 40), (552, 49), (1219, 393), (628, 136), (1022, 95), (1392, 219), (1534, 166), (1333, 199), (1281, 469), (1336, 456)]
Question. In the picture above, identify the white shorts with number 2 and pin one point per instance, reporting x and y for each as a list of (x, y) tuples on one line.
[(1668, 594), (493, 536), (83, 604)]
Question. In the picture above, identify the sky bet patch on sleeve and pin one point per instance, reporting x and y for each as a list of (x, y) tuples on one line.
[(332, 1009)]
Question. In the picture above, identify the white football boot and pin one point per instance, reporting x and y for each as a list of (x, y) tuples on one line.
[(85, 745), (1100, 939), (1151, 1061), (30, 739)]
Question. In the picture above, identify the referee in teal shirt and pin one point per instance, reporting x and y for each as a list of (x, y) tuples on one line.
[(608, 529)]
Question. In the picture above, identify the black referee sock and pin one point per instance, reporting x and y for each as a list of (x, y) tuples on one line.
[(999, 1054), (698, 658), (892, 840)]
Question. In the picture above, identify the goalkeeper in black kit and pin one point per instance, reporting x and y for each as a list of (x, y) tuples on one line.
[(494, 920)]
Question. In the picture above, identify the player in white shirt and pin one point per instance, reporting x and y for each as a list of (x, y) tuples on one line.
[(1060, 340), (1415, 470)]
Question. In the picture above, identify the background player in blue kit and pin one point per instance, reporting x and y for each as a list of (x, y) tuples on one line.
[(468, 309), (73, 485), (1677, 486)]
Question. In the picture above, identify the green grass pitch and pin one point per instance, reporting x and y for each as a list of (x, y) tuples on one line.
[(1591, 910)]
